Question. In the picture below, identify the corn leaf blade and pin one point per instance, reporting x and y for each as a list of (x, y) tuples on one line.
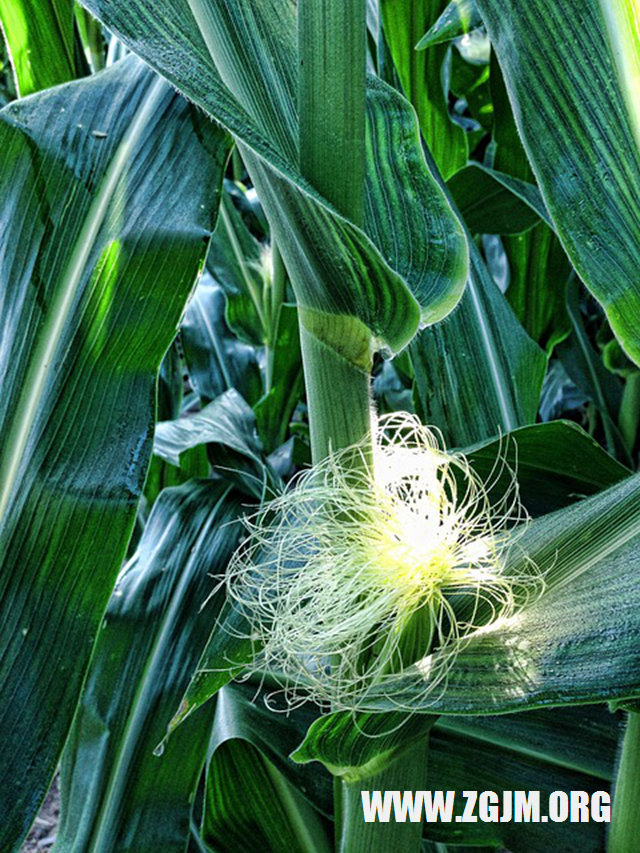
[(154, 629), (570, 110), (87, 213), (556, 463), (480, 345), (467, 764), (421, 76), (40, 37)]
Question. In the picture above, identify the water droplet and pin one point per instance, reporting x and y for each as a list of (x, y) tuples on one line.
[(160, 748)]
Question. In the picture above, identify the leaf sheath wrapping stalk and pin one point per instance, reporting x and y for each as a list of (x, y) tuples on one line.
[(331, 103)]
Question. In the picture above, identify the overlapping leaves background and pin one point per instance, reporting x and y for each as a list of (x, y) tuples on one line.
[(124, 220)]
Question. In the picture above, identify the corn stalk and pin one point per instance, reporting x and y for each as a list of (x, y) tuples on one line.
[(332, 98), (331, 103)]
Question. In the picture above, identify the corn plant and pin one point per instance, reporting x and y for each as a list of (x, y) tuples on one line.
[(321, 403)]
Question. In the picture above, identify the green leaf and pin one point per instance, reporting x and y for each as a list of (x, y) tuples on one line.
[(216, 360), (163, 475), (623, 30), (582, 738), (116, 794), (251, 744), (250, 805), (538, 265), (100, 251), (458, 18), (227, 421), (474, 764), (254, 48), (538, 273), (228, 427), (236, 262), (559, 395), (571, 114), (247, 711), (40, 38), (355, 747), (494, 203), (556, 464), (576, 643), (477, 373), (585, 367), (275, 409), (425, 241), (228, 651), (421, 76), (170, 384)]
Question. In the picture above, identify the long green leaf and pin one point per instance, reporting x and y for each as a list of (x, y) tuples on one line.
[(477, 373), (227, 426), (586, 368), (556, 464), (100, 250), (116, 794), (622, 19), (249, 752), (236, 262), (357, 747), (275, 409), (242, 713), (538, 273), (537, 264), (421, 75), (568, 103), (467, 764), (250, 805), (494, 203), (228, 651), (217, 361), (40, 37), (582, 738)]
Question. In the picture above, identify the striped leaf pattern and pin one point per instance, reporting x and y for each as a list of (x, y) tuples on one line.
[(104, 233), (336, 267), (570, 110)]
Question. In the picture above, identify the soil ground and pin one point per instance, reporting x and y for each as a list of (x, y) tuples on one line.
[(43, 832)]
